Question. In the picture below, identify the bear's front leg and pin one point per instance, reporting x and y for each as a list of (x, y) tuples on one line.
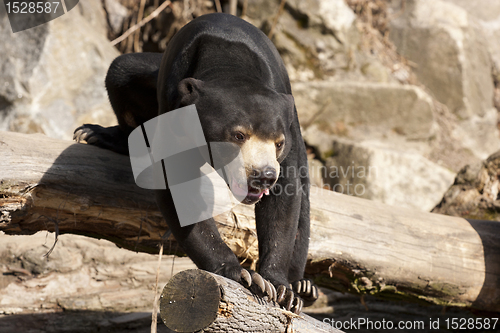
[(277, 219), (203, 244), (305, 288)]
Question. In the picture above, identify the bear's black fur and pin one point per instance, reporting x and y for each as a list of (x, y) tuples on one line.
[(234, 75)]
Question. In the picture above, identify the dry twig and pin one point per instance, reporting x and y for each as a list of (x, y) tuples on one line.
[(218, 6), (151, 16), (140, 16), (154, 315), (276, 18)]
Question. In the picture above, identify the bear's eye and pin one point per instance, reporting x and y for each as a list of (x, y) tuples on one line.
[(238, 136), (279, 145)]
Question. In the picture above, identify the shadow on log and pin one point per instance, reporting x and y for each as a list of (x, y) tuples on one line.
[(195, 300), (356, 245)]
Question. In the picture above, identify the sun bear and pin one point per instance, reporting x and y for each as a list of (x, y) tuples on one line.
[(235, 77)]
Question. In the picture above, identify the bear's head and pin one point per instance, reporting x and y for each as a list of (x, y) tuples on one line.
[(254, 118)]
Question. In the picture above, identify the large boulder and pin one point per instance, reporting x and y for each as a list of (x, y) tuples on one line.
[(52, 76), (94, 13), (314, 38), (452, 60), (362, 110), (333, 16), (450, 52), (117, 14), (258, 11), (487, 12), (319, 40), (383, 173)]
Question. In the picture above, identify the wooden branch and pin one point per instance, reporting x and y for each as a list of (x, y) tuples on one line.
[(276, 18), (233, 7), (356, 245), (140, 24), (195, 300), (218, 7)]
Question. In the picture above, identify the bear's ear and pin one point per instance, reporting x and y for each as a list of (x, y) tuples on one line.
[(189, 90)]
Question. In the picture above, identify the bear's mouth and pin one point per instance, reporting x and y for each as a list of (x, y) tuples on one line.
[(248, 196)]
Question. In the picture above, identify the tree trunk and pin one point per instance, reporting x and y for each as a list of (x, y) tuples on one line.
[(356, 245), (196, 300)]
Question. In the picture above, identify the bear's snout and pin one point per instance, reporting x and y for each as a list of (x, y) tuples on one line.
[(263, 179)]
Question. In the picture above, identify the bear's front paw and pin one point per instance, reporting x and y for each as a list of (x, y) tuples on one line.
[(111, 138), (307, 290), (252, 281), (88, 133), (258, 285), (288, 300)]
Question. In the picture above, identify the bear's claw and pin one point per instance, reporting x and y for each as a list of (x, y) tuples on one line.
[(256, 283), (307, 290), (87, 133), (111, 138), (245, 276), (270, 291), (287, 299), (259, 281)]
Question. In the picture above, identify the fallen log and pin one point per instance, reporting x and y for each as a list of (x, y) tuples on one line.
[(357, 245), (195, 300)]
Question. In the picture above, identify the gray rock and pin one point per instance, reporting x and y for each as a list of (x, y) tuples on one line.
[(379, 172), (315, 46), (320, 39), (362, 110), (453, 60), (296, 47), (479, 134), (474, 194), (116, 15), (260, 10), (491, 30), (487, 12), (94, 14), (52, 76), (451, 54), (333, 16)]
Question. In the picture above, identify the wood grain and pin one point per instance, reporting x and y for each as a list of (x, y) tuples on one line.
[(356, 245), (196, 300)]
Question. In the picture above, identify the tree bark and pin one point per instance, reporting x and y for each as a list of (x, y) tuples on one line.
[(356, 245), (199, 301)]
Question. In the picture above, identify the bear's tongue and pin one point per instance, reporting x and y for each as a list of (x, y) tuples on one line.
[(266, 192), (259, 194)]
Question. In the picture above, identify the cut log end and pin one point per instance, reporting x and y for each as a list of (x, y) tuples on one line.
[(190, 301), (196, 300)]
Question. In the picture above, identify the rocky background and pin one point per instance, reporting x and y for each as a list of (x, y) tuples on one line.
[(394, 98)]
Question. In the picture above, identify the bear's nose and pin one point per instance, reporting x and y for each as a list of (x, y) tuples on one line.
[(263, 178)]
